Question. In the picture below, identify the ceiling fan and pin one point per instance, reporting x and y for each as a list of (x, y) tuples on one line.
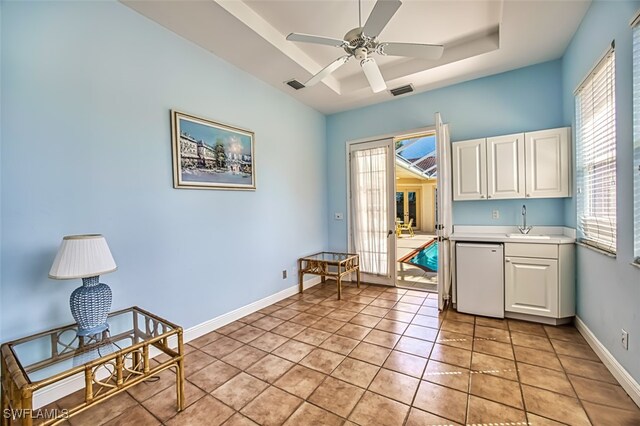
[(362, 42)]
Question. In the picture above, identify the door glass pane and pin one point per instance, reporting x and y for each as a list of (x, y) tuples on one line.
[(400, 206), (412, 201)]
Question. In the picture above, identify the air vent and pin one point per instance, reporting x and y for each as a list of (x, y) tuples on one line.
[(402, 90), (295, 84)]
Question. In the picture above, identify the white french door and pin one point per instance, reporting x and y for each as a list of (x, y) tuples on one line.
[(444, 223), (372, 209)]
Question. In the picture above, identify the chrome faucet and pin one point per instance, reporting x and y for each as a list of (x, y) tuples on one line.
[(524, 229)]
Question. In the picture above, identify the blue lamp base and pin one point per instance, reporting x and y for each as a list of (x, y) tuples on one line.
[(90, 306)]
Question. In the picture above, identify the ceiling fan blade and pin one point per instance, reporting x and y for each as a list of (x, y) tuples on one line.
[(373, 74), (414, 50), (380, 16), (327, 70), (308, 38)]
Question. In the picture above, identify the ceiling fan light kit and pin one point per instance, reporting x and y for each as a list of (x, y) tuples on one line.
[(361, 42)]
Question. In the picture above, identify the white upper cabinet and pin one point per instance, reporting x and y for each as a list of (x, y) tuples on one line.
[(469, 170), (505, 166), (522, 165), (547, 163)]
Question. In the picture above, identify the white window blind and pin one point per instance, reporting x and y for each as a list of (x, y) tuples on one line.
[(596, 156), (636, 139)]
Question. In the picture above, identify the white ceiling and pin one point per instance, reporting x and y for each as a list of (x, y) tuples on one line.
[(481, 37)]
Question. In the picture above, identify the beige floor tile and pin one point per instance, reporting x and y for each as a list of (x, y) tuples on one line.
[(336, 396), (370, 353), (503, 350), (565, 332), (383, 303), (164, 405), (308, 414), (457, 327), (414, 346), (451, 355), (147, 389), (447, 375), (526, 327), (492, 322), (575, 350), (442, 401), (376, 311), (407, 307), (365, 320), (244, 357), (601, 415), (602, 393), (536, 420), (377, 410), (205, 340), (531, 341), (285, 314), (554, 406), (422, 418), (493, 334), (537, 357), (340, 344), (489, 364), (382, 338), (406, 363), (270, 368), (322, 360), (237, 392), (135, 415), (293, 350), (456, 340), (230, 328), (426, 321), (221, 347), (312, 336), (400, 316), (496, 389), (246, 334), (555, 381), (267, 323), (300, 381), (306, 319), (341, 315), (288, 329), (329, 325), (239, 420), (395, 385), (195, 361), (356, 372), (459, 316), (482, 411), (272, 407), (392, 326), (353, 331), (207, 411), (423, 333), (588, 369), (268, 341), (214, 375)]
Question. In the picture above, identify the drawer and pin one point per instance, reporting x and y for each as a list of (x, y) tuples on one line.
[(546, 251)]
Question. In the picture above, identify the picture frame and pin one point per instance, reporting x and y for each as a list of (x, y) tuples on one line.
[(211, 155)]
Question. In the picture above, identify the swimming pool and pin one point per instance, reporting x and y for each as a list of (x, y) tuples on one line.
[(427, 258)]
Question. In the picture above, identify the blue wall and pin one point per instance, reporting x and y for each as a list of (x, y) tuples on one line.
[(608, 289), (522, 100), (86, 93)]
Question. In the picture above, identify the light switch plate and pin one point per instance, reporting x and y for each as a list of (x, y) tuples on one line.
[(338, 216), (495, 214)]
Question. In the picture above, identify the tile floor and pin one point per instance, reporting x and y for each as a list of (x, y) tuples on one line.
[(379, 357)]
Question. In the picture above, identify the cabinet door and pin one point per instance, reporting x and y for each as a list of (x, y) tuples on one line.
[(547, 163), (531, 286), (469, 170), (505, 166)]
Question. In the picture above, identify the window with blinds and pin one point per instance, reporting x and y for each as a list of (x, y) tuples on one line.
[(636, 139), (596, 156)]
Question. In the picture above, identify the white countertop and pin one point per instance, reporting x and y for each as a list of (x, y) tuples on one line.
[(500, 234)]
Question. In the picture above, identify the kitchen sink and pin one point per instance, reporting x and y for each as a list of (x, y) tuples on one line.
[(529, 237)]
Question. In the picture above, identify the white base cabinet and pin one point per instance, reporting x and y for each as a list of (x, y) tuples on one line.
[(540, 279)]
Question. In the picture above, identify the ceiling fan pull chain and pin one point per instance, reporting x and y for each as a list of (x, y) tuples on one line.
[(360, 13)]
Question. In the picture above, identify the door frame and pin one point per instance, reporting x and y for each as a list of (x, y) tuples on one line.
[(392, 193)]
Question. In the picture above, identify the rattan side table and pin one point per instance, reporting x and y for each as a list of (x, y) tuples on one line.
[(329, 264), (108, 363)]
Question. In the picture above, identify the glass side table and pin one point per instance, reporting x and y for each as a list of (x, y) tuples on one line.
[(108, 363), (329, 264)]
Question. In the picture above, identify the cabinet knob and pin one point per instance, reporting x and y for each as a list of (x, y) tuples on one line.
[(488, 196), (482, 196), (528, 195), (507, 260)]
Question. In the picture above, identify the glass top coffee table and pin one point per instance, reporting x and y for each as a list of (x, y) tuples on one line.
[(107, 363), (329, 264)]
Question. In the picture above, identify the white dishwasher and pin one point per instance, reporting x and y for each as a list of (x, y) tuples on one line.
[(480, 279)]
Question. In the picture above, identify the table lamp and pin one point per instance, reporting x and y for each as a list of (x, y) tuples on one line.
[(86, 257)]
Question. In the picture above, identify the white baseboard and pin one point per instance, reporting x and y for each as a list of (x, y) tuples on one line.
[(622, 376), (72, 384)]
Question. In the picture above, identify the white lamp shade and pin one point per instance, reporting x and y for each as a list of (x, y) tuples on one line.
[(82, 256)]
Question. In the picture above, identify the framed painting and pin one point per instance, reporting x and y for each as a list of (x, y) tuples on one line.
[(210, 155)]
